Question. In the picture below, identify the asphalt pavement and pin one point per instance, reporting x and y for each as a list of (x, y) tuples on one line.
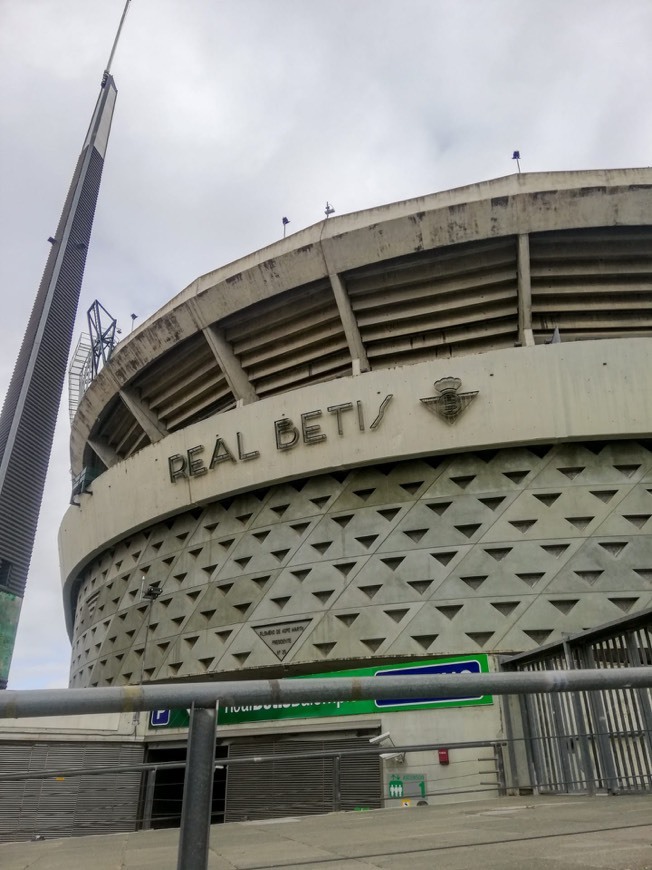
[(519, 833)]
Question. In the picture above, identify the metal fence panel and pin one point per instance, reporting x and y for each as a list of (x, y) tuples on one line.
[(68, 806), (592, 739)]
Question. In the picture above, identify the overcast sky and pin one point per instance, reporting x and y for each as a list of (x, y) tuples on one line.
[(234, 113)]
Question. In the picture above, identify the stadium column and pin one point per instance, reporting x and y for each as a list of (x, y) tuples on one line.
[(31, 405)]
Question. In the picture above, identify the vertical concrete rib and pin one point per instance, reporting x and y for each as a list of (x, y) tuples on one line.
[(103, 450), (235, 375), (29, 413), (525, 335), (350, 324), (145, 417)]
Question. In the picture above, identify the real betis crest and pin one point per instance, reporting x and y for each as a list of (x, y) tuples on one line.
[(450, 403)]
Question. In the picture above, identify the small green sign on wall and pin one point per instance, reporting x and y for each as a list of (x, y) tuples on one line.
[(407, 785)]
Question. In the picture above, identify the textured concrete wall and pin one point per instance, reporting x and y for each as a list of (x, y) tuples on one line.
[(486, 550), (582, 390)]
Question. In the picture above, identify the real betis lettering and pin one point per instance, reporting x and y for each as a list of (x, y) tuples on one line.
[(309, 428)]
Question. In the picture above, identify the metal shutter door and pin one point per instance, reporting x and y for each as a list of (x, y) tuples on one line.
[(73, 806), (302, 786)]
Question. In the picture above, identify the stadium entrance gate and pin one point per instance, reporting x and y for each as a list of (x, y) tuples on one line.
[(590, 741)]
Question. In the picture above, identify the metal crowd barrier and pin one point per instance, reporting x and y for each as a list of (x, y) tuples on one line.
[(202, 699)]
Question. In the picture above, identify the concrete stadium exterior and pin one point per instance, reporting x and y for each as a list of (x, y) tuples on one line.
[(360, 445), (417, 435)]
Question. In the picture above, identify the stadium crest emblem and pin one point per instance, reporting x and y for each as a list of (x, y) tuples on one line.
[(449, 404)]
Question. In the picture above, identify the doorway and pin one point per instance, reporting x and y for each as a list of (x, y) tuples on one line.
[(164, 792)]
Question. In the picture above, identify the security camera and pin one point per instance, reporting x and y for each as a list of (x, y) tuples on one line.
[(392, 756), (387, 756)]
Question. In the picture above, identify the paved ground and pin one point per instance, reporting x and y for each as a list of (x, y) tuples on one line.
[(563, 833)]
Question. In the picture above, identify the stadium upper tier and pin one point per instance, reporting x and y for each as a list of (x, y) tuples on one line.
[(490, 266)]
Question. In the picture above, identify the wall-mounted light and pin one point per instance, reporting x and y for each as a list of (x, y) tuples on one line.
[(152, 592)]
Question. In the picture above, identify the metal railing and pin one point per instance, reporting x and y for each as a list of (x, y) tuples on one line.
[(202, 698), (491, 780)]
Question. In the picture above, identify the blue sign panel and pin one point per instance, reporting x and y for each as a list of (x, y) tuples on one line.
[(159, 718), (468, 666)]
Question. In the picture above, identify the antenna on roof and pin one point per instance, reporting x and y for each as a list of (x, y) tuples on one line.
[(517, 156), (117, 37), (329, 210)]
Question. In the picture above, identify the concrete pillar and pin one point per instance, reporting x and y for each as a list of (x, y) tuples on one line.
[(103, 450), (152, 426), (235, 375), (525, 334), (360, 363)]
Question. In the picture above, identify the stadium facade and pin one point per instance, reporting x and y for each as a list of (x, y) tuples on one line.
[(415, 434)]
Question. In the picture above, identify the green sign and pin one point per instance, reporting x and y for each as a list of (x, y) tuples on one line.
[(407, 785), (319, 709)]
